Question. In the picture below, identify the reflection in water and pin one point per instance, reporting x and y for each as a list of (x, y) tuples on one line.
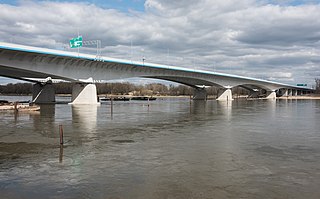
[(199, 107), (226, 108), (85, 117), (45, 121), (61, 153), (171, 149), (272, 105)]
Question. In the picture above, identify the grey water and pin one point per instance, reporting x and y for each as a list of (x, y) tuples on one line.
[(168, 148)]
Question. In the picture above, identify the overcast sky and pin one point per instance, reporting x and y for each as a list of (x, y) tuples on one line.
[(267, 39)]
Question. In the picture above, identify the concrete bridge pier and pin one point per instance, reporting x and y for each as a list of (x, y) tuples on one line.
[(84, 93), (282, 92), (225, 95), (199, 94), (271, 95), (254, 94), (294, 92), (299, 92), (43, 93)]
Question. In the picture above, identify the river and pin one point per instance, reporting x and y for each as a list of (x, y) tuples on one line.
[(168, 148)]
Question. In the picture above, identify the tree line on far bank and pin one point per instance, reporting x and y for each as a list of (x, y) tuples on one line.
[(317, 85), (124, 89), (116, 89)]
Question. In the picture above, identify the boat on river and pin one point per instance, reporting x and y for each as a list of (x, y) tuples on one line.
[(144, 98), (115, 99), (139, 98)]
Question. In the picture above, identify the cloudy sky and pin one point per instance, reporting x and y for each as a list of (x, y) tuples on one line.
[(268, 39)]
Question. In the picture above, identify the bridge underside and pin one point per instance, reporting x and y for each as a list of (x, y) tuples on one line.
[(192, 82), (27, 75)]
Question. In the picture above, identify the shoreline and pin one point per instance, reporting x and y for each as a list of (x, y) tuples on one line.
[(315, 97), (209, 97), (19, 107)]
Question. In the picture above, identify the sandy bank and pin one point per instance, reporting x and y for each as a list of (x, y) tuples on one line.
[(20, 107)]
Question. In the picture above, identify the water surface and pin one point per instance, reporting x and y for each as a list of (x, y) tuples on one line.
[(169, 149)]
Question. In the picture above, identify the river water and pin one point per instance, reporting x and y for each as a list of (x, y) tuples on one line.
[(172, 148)]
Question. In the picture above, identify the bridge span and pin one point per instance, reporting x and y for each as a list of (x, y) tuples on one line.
[(46, 66)]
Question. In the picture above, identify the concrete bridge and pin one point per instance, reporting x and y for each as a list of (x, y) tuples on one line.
[(46, 66)]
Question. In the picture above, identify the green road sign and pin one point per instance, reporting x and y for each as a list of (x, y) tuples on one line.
[(76, 42), (301, 84)]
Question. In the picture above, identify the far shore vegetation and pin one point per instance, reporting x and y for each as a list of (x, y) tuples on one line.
[(125, 88), (317, 87)]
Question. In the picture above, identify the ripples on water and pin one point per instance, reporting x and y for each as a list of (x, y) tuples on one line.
[(170, 149)]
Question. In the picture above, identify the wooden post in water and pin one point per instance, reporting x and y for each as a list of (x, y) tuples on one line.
[(61, 134), (61, 153), (190, 103), (111, 107), (15, 105)]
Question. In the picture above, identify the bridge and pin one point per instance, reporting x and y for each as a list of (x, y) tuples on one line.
[(46, 66)]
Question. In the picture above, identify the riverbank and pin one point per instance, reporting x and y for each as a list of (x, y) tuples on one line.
[(209, 97), (308, 97), (18, 107)]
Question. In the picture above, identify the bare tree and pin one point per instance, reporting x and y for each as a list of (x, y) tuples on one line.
[(317, 85)]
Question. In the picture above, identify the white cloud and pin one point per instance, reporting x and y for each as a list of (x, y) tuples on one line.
[(248, 37)]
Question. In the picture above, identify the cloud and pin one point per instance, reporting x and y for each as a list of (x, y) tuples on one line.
[(281, 26), (253, 38)]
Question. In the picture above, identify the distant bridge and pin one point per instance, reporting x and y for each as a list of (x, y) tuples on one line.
[(45, 66)]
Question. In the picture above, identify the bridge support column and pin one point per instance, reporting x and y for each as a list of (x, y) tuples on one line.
[(84, 93), (289, 92), (294, 92), (282, 92), (299, 92), (226, 95), (43, 93), (254, 94), (271, 95), (199, 94)]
